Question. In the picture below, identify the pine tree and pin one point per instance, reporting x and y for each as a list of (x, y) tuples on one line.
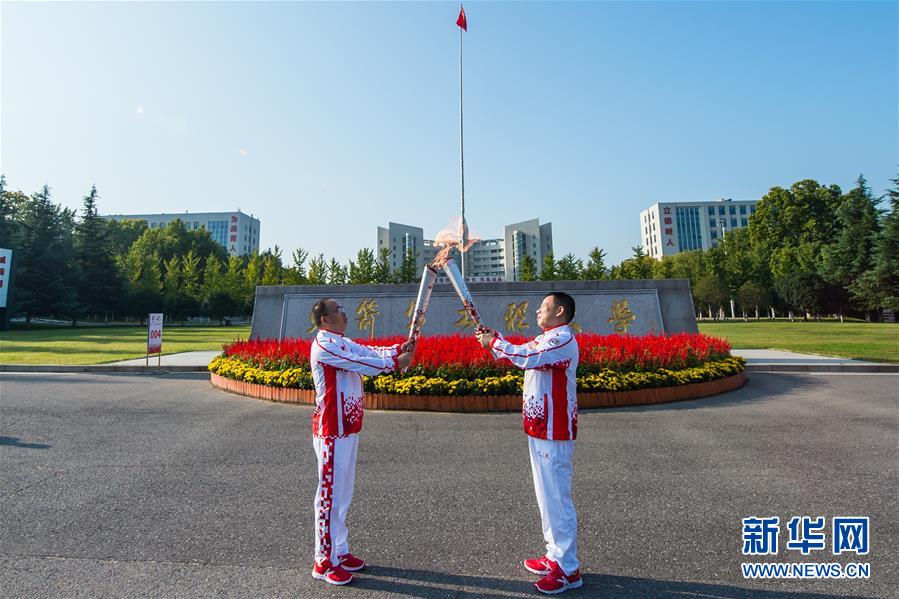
[(569, 268), (548, 272), (596, 266), (528, 270), (46, 271), (381, 272), (336, 273), (318, 270), (100, 286)]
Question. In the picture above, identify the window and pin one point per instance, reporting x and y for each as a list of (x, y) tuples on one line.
[(744, 222), (712, 223), (720, 210), (711, 211), (714, 233), (689, 235), (733, 223), (742, 209), (752, 209), (733, 210)]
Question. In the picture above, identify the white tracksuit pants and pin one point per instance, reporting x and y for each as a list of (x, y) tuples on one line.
[(336, 477), (551, 465)]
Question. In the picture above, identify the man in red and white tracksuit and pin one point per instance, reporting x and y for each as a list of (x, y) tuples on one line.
[(550, 421), (338, 364)]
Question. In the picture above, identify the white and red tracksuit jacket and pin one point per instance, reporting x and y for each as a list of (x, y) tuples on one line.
[(338, 364), (550, 381)]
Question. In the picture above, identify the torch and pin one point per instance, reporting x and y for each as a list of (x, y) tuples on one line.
[(455, 277), (428, 277)]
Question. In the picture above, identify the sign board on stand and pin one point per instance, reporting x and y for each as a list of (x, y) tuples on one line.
[(154, 337)]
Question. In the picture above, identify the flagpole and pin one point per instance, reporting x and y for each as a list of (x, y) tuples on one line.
[(464, 233)]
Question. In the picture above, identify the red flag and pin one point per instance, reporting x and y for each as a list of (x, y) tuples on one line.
[(461, 21)]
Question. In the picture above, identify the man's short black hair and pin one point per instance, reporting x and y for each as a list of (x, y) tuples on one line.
[(567, 303), (320, 309)]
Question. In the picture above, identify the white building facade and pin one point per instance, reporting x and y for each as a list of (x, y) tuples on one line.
[(668, 228), (237, 232)]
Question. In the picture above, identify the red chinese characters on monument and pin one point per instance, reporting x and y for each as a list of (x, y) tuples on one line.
[(669, 229)]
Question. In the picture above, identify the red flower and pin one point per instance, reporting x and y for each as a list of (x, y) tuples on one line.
[(464, 356)]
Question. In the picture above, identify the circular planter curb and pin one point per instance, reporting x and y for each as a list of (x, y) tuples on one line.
[(480, 403)]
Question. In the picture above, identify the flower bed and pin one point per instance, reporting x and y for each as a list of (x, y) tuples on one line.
[(452, 365)]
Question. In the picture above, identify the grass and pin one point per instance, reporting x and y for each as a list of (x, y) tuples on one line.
[(98, 345), (859, 340)]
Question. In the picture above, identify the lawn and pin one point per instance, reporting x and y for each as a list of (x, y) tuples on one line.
[(860, 340), (97, 345)]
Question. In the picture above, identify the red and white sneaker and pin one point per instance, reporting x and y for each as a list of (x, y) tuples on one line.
[(558, 582), (331, 574), (350, 562), (540, 566)]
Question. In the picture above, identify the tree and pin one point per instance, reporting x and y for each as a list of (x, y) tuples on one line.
[(548, 272), (296, 274), (382, 272), (639, 266), (854, 251), (123, 234), (885, 273), (407, 272), (803, 291), (569, 268), (336, 273), (271, 271), (751, 295), (252, 276), (528, 270), (145, 282), (596, 266), (176, 240), (11, 205), (213, 279), (100, 285), (362, 271), (792, 226), (46, 271), (221, 305), (711, 291), (190, 275), (318, 270)]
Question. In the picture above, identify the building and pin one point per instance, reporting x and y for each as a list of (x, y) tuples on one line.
[(487, 260), (668, 228), (235, 231)]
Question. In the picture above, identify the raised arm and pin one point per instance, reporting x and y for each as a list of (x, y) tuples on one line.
[(531, 355), (346, 355)]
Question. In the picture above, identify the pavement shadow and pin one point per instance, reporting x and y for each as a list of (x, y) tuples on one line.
[(759, 387), (423, 583), (14, 442)]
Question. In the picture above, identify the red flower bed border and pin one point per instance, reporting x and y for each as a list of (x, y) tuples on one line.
[(502, 403)]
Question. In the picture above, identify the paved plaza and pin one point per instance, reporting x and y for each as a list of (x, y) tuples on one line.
[(128, 485)]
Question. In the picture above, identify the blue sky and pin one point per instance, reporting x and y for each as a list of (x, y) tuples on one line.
[(327, 119)]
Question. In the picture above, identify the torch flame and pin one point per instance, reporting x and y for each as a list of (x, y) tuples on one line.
[(451, 237)]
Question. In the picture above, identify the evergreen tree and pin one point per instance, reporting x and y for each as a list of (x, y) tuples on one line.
[(100, 286), (271, 271), (318, 270), (569, 268), (11, 206), (336, 273), (407, 273), (855, 248), (883, 278), (190, 275), (46, 271), (596, 266), (362, 271), (528, 271), (382, 267), (548, 272)]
